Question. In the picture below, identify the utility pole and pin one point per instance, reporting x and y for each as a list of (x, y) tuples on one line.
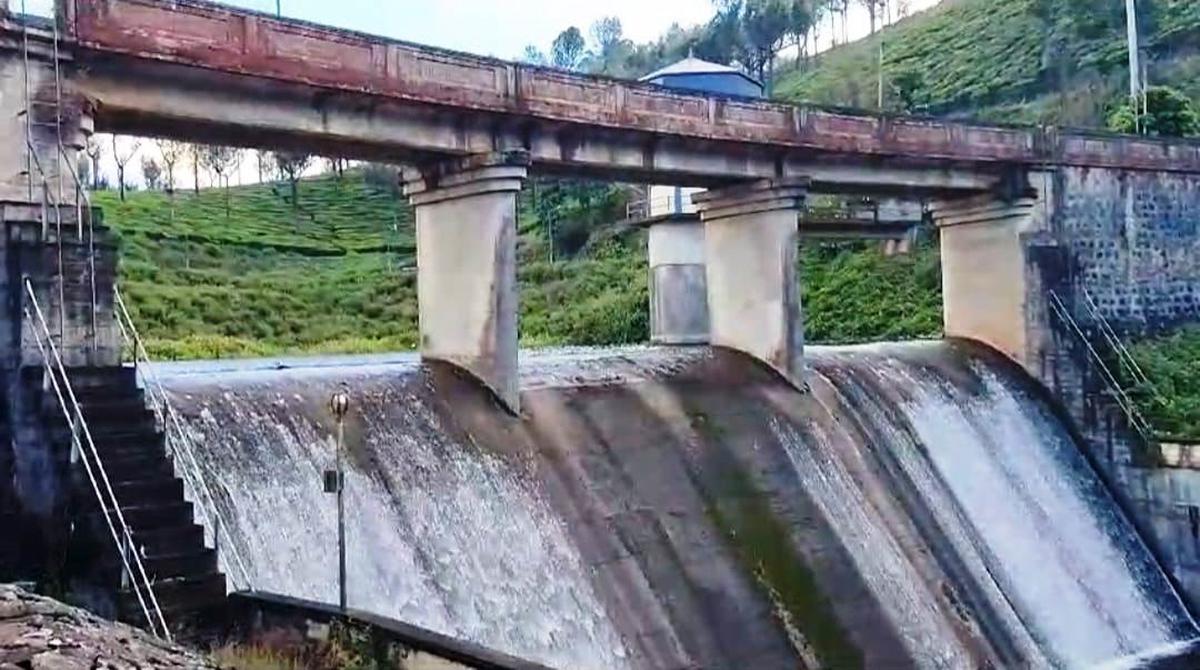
[(1135, 69), (339, 405), (879, 104), (278, 7)]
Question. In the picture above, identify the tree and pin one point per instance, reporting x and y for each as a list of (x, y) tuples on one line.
[(337, 165), (196, 151), (534, 56), (875, 10), (151, 172), (1169, 113), (222, 162), (94, 151), (122, 156), (264, 161), (611, 46), (765, 27), (567, 50), (172, 154), (292, 167)]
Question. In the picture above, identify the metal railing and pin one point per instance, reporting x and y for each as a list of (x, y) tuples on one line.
[(134, 571), (63, 159), (1124, 357), (667, 204), (180, 445), (1119, 394)]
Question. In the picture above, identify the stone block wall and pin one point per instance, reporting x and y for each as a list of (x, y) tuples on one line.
[(1131, 242)]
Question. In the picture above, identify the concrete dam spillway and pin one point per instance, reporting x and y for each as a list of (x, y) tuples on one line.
[(922, 507)]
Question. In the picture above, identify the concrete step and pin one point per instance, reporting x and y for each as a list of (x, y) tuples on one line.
[(148, 492), (135, 465), (159, 541), (179, 596), (110, 439), (153, 517), (116, 420), (181, 561)]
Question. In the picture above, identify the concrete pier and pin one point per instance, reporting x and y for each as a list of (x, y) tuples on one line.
[(988, 294), (466, 219), (678, 285), (751, 235)]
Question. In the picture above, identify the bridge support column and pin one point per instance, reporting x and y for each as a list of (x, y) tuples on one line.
[(751, 234), (678, 286), (991, 288), (466, 214)]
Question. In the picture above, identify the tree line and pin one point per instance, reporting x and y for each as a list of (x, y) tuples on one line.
[(168, 167), (750, 34)]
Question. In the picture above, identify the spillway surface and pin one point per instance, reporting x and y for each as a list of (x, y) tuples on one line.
[(921, 507)]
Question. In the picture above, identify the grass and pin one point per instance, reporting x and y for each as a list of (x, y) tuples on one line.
[(337, 275)]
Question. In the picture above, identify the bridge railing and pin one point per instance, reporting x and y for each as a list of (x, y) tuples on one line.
[(83, 446), (182, 450)]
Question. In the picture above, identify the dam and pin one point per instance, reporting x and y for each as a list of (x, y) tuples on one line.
[(923, 507), (748, 501)]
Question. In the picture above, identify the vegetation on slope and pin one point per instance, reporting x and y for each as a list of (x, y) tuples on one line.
[(337, 273), (1172, 364), (1051, 61)]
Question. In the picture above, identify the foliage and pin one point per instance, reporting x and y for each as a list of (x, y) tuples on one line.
[(568, 48), (999, 59), (852, 292), (1172, 364), (1169, 113), (337, 273)]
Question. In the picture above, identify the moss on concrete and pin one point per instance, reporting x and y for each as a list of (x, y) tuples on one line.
[(760, 541)]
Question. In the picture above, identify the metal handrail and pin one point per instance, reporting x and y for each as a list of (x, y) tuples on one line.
[(56, 371), (1124, 356), (178, 440), (1132, 414)]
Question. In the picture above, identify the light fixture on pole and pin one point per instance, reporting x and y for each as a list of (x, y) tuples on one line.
[(335, 482)]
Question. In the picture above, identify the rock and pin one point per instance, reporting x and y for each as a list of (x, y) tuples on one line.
[(42, 634)]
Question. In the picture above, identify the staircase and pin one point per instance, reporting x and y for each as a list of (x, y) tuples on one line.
[(182, 570)]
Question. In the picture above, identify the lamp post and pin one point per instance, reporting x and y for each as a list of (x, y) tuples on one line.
[(339, 404)]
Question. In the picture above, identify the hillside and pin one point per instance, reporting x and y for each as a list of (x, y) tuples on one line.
[(336, 274), (1051, 61)]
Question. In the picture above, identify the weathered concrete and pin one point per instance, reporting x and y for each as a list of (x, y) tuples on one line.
[(678, 285), (751, 236), (466, 218), (564, 119), (32, 140), (985, 290)]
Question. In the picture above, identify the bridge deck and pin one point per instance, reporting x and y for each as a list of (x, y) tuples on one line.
[(217, 37)]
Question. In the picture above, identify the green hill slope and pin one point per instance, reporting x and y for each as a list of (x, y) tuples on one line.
[(336, 274), (1055, 61)]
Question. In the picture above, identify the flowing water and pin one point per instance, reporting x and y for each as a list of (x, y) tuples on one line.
[(944, 512)]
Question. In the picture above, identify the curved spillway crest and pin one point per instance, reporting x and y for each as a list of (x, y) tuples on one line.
[(683, 508)]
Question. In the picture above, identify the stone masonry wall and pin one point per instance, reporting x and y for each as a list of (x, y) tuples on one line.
[(1130, 240)]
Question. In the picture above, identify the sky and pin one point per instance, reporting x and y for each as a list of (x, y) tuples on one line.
[(501, 28)]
